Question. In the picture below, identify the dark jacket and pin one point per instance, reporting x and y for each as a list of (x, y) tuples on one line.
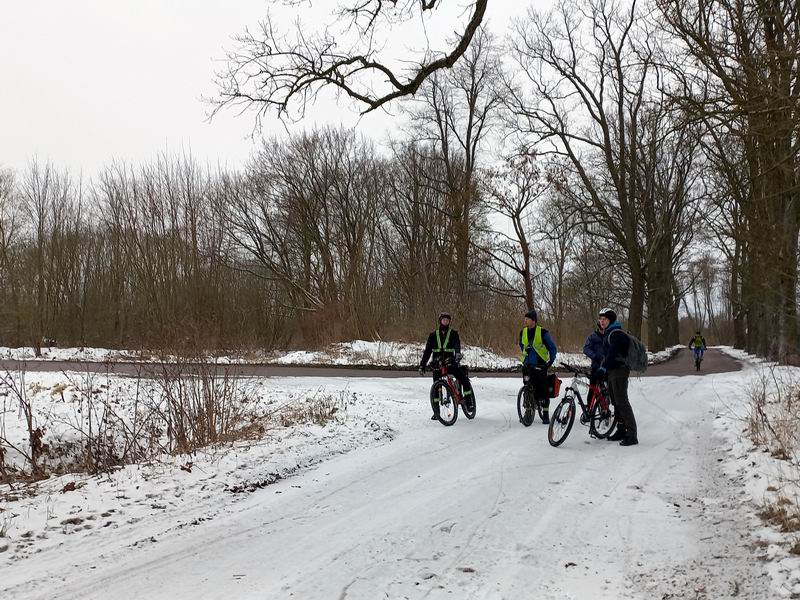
[(616, 345), (454, 342), (595, 349), (532, 359)]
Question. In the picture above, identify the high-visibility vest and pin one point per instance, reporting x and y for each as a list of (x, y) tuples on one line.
[(698, 341), (443, 347), (537, 344)]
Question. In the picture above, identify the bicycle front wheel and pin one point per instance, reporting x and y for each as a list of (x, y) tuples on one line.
[(603, 418), (525, 406), (442, 395), (561, 421)]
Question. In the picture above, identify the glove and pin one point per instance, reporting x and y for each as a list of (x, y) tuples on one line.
[(421, 370), (602, 371), (549, 365), (458, 357)]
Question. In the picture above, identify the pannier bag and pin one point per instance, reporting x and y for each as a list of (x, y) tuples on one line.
[(553, 385)]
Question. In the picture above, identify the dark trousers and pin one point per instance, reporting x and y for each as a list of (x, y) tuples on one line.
[(536, 378), (618, 386)]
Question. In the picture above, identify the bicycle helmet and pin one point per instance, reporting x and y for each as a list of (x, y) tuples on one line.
[(608, 313)]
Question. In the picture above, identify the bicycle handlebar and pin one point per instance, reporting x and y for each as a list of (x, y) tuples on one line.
[(450, 360), (576, 370)]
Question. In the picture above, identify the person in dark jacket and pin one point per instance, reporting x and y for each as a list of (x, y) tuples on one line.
[(618, 373), (443, 344), (538, 354), (596, 351)]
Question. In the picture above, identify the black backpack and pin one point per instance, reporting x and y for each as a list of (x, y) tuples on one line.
[(636, 359)]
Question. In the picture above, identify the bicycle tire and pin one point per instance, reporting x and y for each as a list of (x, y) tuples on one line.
[(561, 421), (602, 420), (448, 407), (521, 399)]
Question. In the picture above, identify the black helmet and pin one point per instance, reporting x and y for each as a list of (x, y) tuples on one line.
[(531, 314), (444, 315), (608, 313)]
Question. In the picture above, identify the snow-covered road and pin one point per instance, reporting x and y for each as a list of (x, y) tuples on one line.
[(484, 509)]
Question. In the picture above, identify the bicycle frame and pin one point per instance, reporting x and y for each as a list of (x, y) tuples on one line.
[(450, 381), (597, 392), (597, 409)]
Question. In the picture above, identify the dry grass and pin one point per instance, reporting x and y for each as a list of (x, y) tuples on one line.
[(317, 410), (185, 407), (782, 514), (774, 414)]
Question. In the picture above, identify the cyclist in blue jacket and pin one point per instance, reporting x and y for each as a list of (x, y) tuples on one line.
[(595, 349)]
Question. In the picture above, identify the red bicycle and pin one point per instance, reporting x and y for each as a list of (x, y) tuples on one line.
[(599, 414), (447, 393)]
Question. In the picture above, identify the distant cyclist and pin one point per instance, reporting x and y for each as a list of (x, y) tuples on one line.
[(698, 345)]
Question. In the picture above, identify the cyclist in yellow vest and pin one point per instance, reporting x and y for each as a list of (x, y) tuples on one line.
[(698, 344), (444, 345), (538, 354)]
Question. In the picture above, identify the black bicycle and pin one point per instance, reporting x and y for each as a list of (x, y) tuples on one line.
[(599, 415), (528, 405), (447, 393)]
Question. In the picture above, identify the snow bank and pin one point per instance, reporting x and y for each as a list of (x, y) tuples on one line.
[(172, 492), (359, 353), (771, 479)]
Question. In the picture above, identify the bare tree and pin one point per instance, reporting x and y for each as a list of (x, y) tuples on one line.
[(591, 95), (455, 114), (308, 214), (512, 191), (742, 70), (588, 63), (271, 69)]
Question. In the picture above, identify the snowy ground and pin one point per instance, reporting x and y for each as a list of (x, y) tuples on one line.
[(357, 353), (384, 503), (767, 477)]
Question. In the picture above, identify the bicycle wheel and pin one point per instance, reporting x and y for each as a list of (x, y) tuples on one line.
[(561, 421), (470, 406), (603, 419), (448, 407), (525, 401)]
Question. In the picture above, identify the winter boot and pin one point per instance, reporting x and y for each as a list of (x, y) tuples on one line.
[(618, 435), (629, 441), (546, 417)]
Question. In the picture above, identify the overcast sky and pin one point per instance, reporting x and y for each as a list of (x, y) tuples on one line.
[(85, 81)]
